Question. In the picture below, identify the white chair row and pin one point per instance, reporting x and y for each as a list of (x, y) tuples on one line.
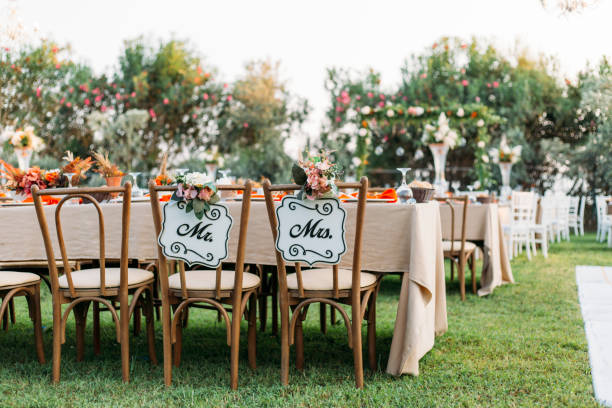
[(557, 215), (604, 221)]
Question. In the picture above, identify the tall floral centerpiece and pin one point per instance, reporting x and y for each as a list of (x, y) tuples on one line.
[(505, 156), (316, 175), (24, 142), (439, 137)]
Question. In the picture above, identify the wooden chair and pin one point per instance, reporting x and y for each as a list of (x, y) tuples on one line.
[(333, 286), (78, 289), (184, 289), (13, 284), (459, 252)]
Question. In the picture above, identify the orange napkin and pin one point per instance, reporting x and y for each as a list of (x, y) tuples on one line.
[(45, 199), (388, 194), (2, 194)]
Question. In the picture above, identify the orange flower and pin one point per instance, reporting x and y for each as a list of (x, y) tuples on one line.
[(473, 115), (364, 123), (163, 180)]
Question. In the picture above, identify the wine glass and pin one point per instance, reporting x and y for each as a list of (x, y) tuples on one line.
[(181, 171), (224, 176), (404, 193), (136, 191), (455, 185)]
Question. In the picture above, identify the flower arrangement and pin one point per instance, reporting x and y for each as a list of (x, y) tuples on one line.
[(441, 133), (197, 190), (505, 153), (24, 139), (316, 175), (21, 181), (77, 167), (105, 167)]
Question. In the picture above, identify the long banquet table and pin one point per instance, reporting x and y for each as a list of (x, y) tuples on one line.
[(483, 225), (398, 238)]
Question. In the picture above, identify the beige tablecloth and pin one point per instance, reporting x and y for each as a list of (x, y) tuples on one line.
[(483, 223), (398, 238)]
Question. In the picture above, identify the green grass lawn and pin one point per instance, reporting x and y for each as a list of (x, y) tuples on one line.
[(522, 346)]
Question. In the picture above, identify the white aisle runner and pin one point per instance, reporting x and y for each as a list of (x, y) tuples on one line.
[(595, 295)]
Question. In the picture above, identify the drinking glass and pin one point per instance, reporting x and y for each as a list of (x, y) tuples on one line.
[(455, 185), (404, 193), (136, 191)]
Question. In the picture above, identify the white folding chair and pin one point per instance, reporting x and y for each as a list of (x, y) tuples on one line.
[(562, 218), (580, 215), (573, 214), (520, 232)]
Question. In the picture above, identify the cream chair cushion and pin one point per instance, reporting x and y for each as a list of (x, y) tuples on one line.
[(469, 246), (323, 279), (206, 280), (9, 278), (90, 278)]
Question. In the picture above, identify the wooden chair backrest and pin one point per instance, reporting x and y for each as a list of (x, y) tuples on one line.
[(377, 189), (362, 186), (452, 202), (85, 193), (246, 190)]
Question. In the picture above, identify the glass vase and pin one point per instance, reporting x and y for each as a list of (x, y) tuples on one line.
[(506, 190), (439, 152), (24, 155)]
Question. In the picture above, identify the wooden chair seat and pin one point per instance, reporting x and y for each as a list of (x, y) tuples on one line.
[(456, 246), (90, 278), (205, 280), (322, 279), (10, 279)]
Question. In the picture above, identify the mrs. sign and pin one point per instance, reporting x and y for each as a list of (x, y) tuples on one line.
[(184, 237), (311, 231)]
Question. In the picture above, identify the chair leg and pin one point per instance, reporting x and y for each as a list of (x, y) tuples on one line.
[(299, 344), (235, 343), (178, 345), (5, 322), (252, 333), (274, 312), (167, 342), (263, 300), (150, 324), (12, 310), (461, 277), (473, 269), (137, 325), (124, 334), (80, 318), (372, 331), (57, 340), (323, 317), (96, 328), (357, 348), (38, 337), (452, 270), (332, 315)]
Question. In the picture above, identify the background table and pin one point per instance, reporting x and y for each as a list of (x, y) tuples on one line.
[(397, 238), (483, 224)]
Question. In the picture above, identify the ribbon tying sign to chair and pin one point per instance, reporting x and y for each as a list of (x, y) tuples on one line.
[(311, 231), (186, 238)]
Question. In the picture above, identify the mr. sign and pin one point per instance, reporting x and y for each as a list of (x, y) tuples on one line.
[(311, 231), (186, 238)]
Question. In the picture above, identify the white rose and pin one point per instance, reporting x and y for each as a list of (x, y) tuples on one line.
[(197, 179), (366, 110), (390, 113), (480, 123), (481, 144), (485, 158), (363, 132), (460, 112), (419, 111), (356, 161)]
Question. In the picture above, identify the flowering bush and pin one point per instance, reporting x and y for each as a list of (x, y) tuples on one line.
[(316, 175), (198, 190), (505, 153), (442, 133)]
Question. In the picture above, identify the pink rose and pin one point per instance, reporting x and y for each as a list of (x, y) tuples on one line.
[(38, 92), (152, 113), (179, 191), (495, 84), (229, 97), (205, 194), (166, 101), (133, 95), (245, 125), (464, 82), (103, 108), (191, 193), (118, 96), (381, 104), (98, 98), (205, 96), (370, 95), (87, 101)]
